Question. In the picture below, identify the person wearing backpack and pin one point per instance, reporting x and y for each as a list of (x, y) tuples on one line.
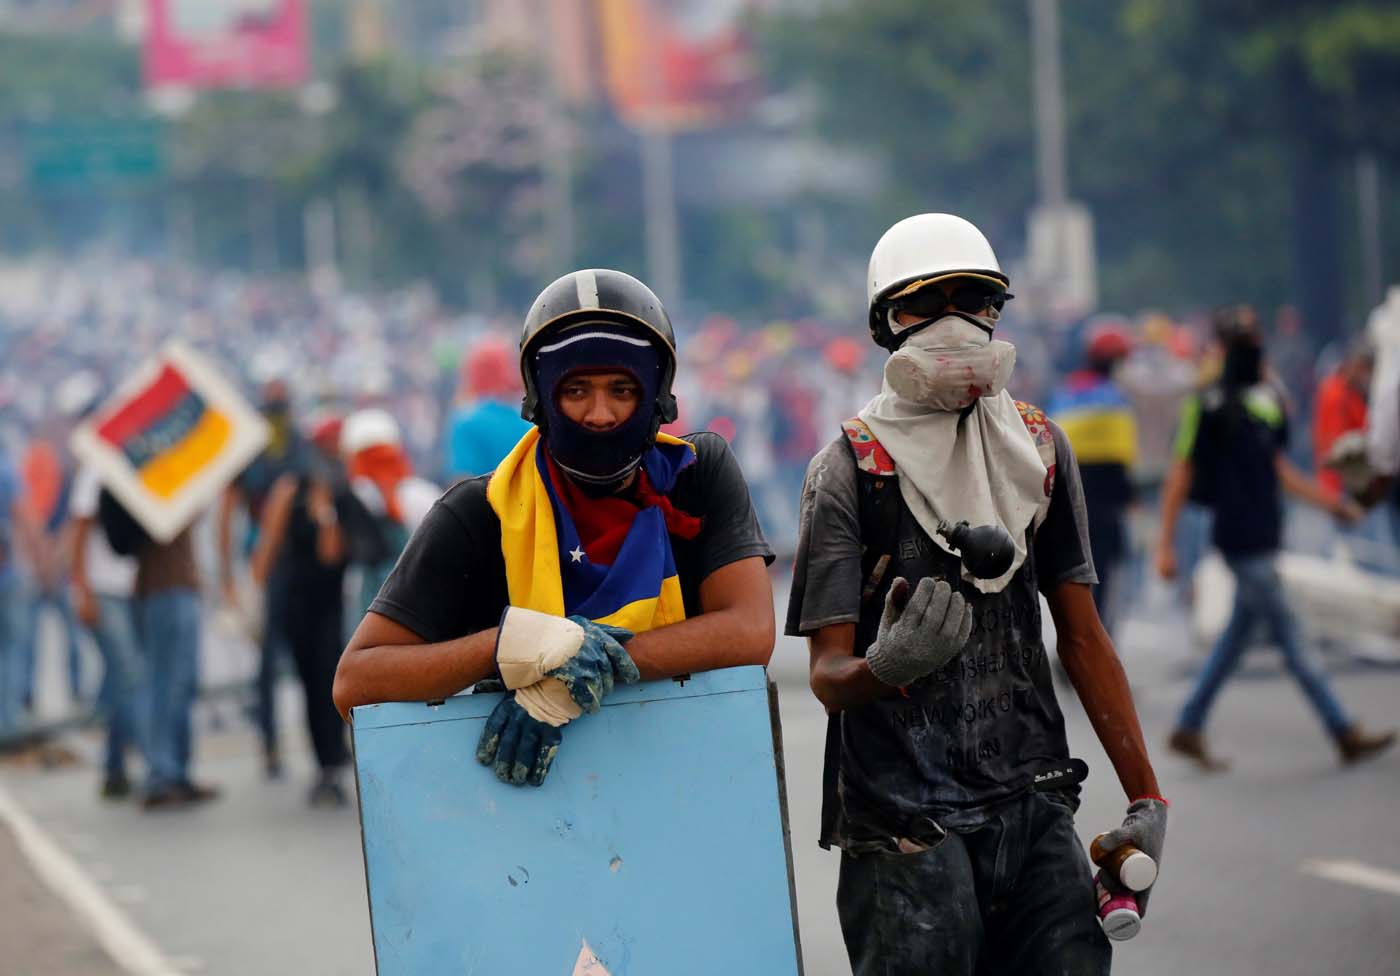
[(103, 581), (949, 786)]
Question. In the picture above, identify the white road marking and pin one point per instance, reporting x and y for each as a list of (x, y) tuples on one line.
[(125, 943), (1355, 873)]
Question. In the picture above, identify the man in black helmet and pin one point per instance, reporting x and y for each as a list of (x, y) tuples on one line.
[(599, 551)]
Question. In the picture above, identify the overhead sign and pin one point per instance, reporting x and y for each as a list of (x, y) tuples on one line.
[(170, 440), (98, 151), (226, 44), (657, 844)]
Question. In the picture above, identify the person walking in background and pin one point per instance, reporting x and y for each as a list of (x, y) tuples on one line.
[(383, 481), (1232, 459), (47, 482), (14, 526), (102, 589), (103, 584), (1340, 419), (486, 422), (286, 452), (168, 628), (300, 560), (1101, 427)]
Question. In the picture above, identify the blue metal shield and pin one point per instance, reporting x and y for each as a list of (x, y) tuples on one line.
[(658, 843)]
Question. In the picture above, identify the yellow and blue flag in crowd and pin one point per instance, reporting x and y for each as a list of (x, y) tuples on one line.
[(547, 567), (1097, 418)]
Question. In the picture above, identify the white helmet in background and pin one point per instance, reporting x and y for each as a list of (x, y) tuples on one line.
[(368, 428), (919, 251), (77, 395)]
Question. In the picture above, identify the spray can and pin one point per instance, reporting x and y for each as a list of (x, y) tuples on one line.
[(1118, 913), (1129, 866)]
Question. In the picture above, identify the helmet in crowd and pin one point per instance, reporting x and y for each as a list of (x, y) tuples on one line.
[(919, 251), (488, 370), (1108, 343), (610, 315), (77, 395), (598, 295), (368, 428), (324, 428)]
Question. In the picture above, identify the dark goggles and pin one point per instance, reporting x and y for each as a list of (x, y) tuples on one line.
[(969, 297)]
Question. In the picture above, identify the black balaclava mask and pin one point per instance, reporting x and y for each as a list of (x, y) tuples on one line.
[(598, 461)]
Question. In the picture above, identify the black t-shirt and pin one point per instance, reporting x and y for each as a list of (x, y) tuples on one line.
[(1233, 442), (978, 729), (451, 579)]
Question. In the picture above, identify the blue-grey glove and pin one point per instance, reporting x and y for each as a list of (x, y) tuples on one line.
[(560, 667), (521, 748), (600, 662), (1145, 827)]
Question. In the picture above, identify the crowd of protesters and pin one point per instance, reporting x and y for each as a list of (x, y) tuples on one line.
[(378, 401)]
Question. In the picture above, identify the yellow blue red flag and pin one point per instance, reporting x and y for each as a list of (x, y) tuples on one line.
[(547, 567)]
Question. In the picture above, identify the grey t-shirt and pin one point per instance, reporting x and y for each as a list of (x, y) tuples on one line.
[(977, 730)]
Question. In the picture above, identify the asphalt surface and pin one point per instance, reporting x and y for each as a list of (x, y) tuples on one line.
[(259, 883)]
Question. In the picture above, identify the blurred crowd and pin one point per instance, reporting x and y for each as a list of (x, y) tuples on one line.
[(379, 400)]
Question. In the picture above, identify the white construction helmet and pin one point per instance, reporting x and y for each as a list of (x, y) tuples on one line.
[(919, 251), (368, 428)]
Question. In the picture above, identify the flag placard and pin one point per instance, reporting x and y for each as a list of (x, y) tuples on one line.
[(169, 440)]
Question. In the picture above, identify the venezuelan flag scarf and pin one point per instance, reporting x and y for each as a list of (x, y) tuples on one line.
[(547, 567)]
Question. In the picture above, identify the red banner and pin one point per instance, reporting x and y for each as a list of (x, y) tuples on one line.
[(226, 43), (664, 68)]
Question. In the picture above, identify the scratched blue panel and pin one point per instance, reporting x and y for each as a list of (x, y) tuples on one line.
[(657, 839)]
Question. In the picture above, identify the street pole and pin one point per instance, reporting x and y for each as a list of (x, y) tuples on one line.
[(1368, 210), (662, 223), (557, 146), (1052, 183)]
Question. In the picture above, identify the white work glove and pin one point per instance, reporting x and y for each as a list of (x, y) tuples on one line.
[(560, 666)]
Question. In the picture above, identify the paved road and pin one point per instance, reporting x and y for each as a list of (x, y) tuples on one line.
[(258, 883)]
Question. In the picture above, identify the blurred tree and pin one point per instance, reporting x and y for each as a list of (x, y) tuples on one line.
[(1212, 140)]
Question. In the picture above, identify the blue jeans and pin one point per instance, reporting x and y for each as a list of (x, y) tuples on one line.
[(58, 600), (1259, 596), (117, 701), (1012, 896), (168, 624), (9, 654)]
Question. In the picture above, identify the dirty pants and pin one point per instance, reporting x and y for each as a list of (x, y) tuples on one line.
[(1011, 896)]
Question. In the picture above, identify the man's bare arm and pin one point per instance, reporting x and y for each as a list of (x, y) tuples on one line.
[(838, 678), (386, 661), (1094, 669), (1174, 492), (228, 502), (1301, 485), (736, 627)]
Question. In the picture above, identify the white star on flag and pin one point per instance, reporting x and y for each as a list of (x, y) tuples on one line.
[(577, 553)]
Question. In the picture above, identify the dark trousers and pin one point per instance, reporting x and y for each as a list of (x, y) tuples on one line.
[(314, 636), (1012, 896)]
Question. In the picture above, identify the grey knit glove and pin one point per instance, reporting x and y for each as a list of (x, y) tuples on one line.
[(918, 633), (1145, 827)]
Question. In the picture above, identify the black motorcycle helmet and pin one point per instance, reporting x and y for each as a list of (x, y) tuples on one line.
[(598, 295)]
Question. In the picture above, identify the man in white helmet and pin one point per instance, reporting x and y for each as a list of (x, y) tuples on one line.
[(949, 786)]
